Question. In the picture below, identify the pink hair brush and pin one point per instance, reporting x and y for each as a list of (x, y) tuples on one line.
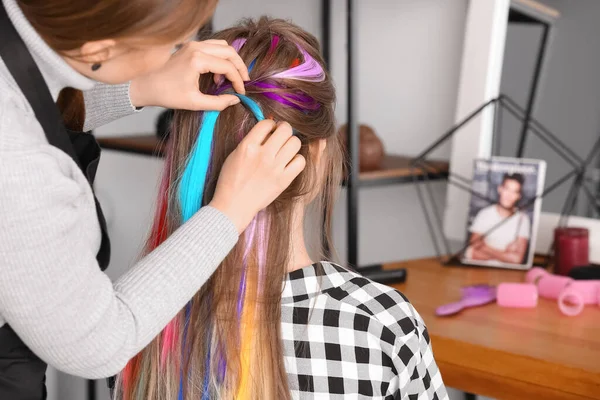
[(472, 296)]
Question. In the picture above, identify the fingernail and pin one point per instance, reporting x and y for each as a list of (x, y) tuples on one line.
[(234, 101)]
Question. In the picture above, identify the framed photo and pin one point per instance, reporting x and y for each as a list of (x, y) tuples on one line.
[(504, 212)]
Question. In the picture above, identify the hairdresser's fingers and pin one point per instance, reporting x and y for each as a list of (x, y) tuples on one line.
[(288, 151), (205, 63), (259, 133), (218, 78), (216, 41), (203, 101), (282, 133), (227, 53), (293, 169)]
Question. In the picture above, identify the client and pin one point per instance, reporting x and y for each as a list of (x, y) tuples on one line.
[(272, 323)]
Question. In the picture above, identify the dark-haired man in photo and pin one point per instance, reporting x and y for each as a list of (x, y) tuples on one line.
[(506, 228)]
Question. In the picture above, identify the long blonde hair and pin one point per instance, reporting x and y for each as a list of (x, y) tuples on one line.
[(226, 343)]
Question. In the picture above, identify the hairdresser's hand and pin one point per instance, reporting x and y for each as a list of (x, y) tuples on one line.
[(257, 171), (175, 85)]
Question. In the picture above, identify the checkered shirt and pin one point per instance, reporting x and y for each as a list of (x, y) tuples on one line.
[(346, 337)]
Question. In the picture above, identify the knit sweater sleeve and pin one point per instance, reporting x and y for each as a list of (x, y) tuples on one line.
[(52, 292), (106, 103)]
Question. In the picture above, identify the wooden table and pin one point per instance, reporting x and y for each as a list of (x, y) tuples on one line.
[(521, 354)]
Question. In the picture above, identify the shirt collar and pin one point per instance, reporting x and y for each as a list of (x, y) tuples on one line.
[(313, 280)]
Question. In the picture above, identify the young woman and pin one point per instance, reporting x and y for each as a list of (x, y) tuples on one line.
[(56, 305), (271, 323)]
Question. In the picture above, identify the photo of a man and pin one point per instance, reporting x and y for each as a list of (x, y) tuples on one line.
[(500, 231), (504, 212)]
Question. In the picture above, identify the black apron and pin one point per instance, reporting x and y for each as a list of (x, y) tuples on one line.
[(22, 373)]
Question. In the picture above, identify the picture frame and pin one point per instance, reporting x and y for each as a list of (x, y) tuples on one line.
[(504, 212)]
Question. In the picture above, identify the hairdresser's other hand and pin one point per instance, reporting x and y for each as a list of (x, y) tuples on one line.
[(175, 85), (257, 171)]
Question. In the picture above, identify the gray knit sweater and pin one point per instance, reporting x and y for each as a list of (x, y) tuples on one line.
[(52, 292)]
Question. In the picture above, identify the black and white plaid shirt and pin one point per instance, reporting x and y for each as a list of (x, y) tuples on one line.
[(346, 337)]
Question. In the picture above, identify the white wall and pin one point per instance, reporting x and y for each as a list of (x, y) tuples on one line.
[(410, 54), (483, 51)]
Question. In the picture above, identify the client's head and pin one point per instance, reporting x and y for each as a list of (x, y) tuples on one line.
[(226, 343)]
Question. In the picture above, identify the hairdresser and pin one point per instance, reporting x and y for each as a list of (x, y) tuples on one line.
[(56, 304)]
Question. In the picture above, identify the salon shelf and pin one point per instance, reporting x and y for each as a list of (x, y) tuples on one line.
[(395, 168), (148, 144)]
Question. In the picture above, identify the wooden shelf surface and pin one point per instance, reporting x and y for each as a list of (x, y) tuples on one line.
[(397, 166), (148, 144), (394, 166)]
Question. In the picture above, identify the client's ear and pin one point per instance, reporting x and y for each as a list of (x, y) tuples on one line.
[(97, 51)]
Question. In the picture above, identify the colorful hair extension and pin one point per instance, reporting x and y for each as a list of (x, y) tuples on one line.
[(238, 43), (249, 241), (191, 192), (188, 311), (251, 66), (299, 101), (274, 43), (169, 336), (262, 243), (252, 285), (247, 335), (310, 70), (131, 370), (159, 228), (158, 234), (191, 187)]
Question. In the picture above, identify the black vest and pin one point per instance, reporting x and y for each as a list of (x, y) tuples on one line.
[(22, 373)]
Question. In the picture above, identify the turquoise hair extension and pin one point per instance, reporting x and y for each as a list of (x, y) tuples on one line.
[(252, 106), (191, 187)]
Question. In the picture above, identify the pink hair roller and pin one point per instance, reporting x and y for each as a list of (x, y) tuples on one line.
[(589, 290), (517, 295), (570, 302), (535, 274), (577, 294), (550, 286)]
